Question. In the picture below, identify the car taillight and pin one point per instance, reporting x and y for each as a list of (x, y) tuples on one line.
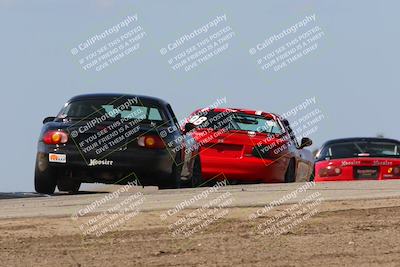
[(55, 137), (395, 171), (330, 171), (151, 141)]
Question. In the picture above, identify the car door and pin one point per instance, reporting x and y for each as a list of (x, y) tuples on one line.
[(189, 148), (302, 156)]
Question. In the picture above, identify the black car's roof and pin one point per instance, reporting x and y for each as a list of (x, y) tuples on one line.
[(116, 95), (355, 139)]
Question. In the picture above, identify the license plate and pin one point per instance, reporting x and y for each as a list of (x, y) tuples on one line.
[(366, 172)]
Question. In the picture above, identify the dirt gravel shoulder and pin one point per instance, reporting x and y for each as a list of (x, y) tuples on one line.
[(362, 233)]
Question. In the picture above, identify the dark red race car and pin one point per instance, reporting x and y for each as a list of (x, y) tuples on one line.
[(358, 159), (249, 146)]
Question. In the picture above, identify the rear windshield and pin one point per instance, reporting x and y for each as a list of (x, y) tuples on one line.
[(360, 149), (236, 121), (113, 110)]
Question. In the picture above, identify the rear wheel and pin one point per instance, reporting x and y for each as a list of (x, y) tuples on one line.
[(197, 179), (290, 175), (45, 181), (68, 185), (174, 180), (312, 174)]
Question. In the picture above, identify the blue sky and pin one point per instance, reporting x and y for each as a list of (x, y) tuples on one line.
[(353, 74)]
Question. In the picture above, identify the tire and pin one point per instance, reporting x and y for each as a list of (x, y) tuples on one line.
[(45, 181), (312, 174), (196, 179), (68, 185), (174, 180), (290, 175)]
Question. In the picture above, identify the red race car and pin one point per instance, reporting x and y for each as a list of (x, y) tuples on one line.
[(249, 146), (358, 159)]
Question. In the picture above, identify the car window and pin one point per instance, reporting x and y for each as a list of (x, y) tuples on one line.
[(91, 108), (255, 124), (236, 121), (361, 149), (154, 115)]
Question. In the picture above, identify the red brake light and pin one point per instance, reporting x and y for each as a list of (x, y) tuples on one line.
[(151, 141), (395, 171), (55, 137), (248, 151), (330, 171)]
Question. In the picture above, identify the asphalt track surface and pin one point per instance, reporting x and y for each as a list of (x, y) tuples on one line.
[(23, 205)]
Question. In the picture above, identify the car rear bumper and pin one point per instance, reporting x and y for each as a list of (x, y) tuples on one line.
[(244, 169), (346, 179), (357, 169), (148, 165)]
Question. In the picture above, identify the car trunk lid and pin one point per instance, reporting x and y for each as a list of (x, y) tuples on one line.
[(231, 143)]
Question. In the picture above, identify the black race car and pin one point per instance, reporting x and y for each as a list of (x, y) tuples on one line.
[(114, 138)]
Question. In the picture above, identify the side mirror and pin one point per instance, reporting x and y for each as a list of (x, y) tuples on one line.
[(305, 142), (189, 127), (48, 119), (285, 122)]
